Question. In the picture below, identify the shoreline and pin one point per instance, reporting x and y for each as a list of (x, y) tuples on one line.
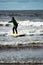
[(22, 46), (24, 63), (31, 46)]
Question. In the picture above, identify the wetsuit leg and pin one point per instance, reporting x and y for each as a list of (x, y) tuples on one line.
[(13, 30), (16, 30)]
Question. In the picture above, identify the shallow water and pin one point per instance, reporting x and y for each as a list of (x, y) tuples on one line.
[(10, 55)]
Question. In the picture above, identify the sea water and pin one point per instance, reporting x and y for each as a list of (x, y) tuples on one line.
[(30, 24)]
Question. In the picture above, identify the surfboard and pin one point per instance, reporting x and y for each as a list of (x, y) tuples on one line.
[(17, 35)]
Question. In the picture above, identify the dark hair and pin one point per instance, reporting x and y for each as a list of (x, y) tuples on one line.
[(12, 18)]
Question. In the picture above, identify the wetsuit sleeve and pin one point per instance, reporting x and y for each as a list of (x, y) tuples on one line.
[(10, 22)]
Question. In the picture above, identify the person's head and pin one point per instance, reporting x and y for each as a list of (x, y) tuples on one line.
[(12, 18)]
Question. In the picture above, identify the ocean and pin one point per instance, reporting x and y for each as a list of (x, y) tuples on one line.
[(30, 24)]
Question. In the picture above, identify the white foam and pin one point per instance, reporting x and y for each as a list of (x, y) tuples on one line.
[(28, 23), (4, 23), (26, 27), (24, 23)]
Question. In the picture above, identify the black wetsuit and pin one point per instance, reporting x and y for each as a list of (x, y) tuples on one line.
[(15, 25)]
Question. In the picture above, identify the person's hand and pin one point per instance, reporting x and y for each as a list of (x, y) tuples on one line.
[(9, 22)]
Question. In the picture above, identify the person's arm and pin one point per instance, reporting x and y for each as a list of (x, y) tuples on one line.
[(10, 22)]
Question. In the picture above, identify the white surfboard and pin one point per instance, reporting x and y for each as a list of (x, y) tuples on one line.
[(17, 35)]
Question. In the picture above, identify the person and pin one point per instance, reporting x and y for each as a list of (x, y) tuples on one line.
[(15, 25)]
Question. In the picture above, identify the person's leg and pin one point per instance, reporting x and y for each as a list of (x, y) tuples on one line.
[(13, 30), (16, 30)]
